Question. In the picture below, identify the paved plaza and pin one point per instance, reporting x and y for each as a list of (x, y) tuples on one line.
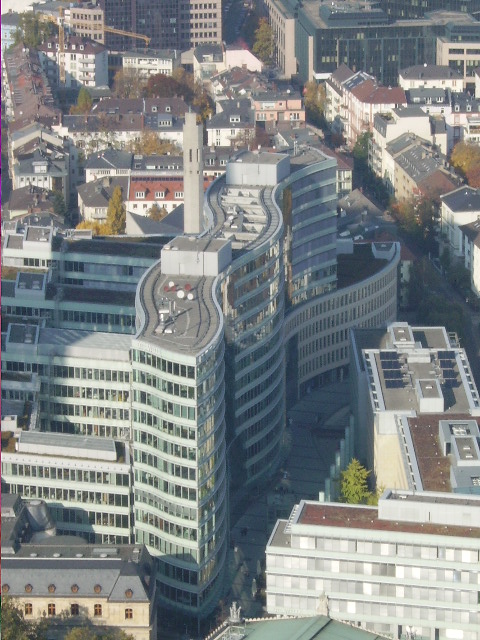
[(316, 426)]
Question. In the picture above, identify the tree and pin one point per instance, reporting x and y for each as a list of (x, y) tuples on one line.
[(151, 144), (465, 157), (354, 484), (15, 627), (315, 98), (84, 103), (116, 213), (263, 45), (162, 86), (156, 212), (98, 228), (202, 102), (59, 206), (128, 84), (32, 31)]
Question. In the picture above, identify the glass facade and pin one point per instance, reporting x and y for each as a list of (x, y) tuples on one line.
[(180, 484)]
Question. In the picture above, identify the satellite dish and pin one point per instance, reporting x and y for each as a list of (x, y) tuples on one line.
[(190, 296), (171, 283), (181, 294)]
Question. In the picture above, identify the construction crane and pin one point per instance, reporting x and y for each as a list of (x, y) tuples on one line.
[(129, 34)]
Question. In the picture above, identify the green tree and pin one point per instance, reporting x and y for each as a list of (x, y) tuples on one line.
[(33, 31), (263, 45), (354, 484), (432, 311), (116, 213), (15, 627), (84, 103), (59, 206)]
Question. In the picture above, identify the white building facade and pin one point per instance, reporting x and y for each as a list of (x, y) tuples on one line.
[(410, 566)]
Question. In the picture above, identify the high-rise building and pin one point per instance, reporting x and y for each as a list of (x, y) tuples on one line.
[(169, 25), (199, 392)]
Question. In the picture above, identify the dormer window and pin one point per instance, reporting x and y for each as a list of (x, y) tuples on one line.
[(457, 107), (140, 195), (178, 194), (160, 194), (81, 47), (168, 108), (234, 118), (74, 47), (469, 107), (49, 45), (154, 109)]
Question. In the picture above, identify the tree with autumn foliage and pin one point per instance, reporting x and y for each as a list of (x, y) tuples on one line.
[(466, 159), (156, 212), (128, 84), (116, 213), (418, 220), (315, 97), (97, 228), (150, 144), (84, 103)]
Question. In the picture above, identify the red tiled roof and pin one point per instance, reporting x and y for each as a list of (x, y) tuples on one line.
[(368, 92)]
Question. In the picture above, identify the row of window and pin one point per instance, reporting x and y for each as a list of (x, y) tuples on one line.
[(83, 373), (71, 475), (75, 610)]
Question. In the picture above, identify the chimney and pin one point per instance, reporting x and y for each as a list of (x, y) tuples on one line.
[(192, 174)]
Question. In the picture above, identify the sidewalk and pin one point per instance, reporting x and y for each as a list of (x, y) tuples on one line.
[(316, 425)]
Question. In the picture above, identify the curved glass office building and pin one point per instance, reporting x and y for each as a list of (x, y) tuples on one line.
[(178, 420)]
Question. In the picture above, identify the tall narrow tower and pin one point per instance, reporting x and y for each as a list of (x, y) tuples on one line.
[(193, 174)]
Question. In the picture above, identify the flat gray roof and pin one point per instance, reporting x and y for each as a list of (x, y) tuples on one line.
[(67, 445), (184, 324)]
